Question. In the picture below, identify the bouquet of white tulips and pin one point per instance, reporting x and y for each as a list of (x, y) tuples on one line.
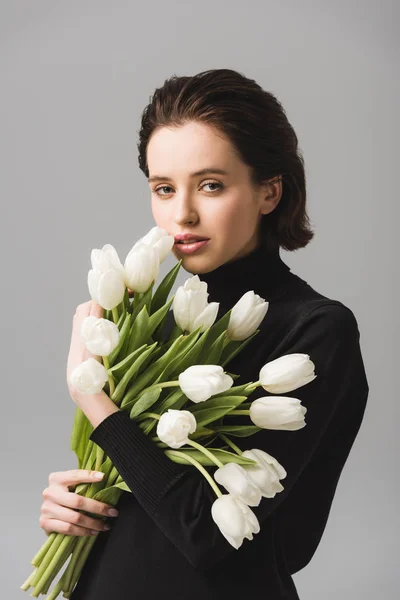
[(176, 384)]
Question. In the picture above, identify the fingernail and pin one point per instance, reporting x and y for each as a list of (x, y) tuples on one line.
[(99, 475), (112, 512)]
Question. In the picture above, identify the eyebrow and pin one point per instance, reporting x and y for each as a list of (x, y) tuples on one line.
[(196, 174)]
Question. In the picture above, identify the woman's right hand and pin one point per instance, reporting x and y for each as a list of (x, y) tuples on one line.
[(59, 510)]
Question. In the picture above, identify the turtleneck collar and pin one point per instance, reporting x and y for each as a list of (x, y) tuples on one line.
[(261, 270)]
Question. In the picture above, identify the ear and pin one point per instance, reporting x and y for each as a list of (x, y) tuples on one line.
[(271, 193)]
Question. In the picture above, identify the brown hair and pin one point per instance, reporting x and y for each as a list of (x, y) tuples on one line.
[(256, 124)]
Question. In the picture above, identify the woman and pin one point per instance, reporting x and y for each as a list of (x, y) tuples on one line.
[(223, 165)]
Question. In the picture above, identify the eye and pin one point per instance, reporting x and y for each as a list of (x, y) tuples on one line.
[(213, 183), (163, 187)]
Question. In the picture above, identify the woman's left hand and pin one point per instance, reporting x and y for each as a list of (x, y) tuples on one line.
[(78, 352)]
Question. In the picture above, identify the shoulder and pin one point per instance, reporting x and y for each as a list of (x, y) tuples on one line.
[(307, 306)]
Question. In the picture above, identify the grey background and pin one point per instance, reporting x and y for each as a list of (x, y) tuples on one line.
[(75, 77)]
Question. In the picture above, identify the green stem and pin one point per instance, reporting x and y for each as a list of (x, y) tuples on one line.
[(165, 384), (68, 575), (37, 559), (59, 587), (47, 559), (115, 314), (145, 415), (226, 342), (238, 412), (252, 386), (81, 561), (111, 381), (206, 452), (230, 443), (200, 468), (46, 572)]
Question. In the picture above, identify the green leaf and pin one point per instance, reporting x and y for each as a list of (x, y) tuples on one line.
[(176, 399), (191, 356), (140, 327), (228, 401), (175, 365), (236, 390), (237, 430), (233, 348), (223, 455), (80, 433), (214, 353), (164, 288), (111, 494), (124, 330), (208, 415), (130, 374), (157, 317), (146, 400), (215, 332), (141, 299), (150, 374), (120, 368)]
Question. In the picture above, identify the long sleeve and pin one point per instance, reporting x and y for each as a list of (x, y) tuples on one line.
[(179, 499)]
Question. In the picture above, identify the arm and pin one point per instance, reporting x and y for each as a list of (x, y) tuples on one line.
[(179, 499)]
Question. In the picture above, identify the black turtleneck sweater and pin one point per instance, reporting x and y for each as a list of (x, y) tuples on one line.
[(164, 543)]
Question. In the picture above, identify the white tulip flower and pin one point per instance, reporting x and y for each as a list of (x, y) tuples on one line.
[(191, 308), (159, 239), (89, 377), (106, 279), (246, 316), (101, 335), (237, 482), (106, 258), (287, 373), (278, 412), (141, 267), (235, 519), (174, 427), (200, 382), (266, 474)]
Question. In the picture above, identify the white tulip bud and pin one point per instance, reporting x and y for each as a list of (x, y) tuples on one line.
[(246, 315), (191, 308), (200, 382), (266, 474), (101, 335), (238, 483), (174, 427), (89, 377), (278, 412), (159, 239), (235, 519), (106, 279), (141, 267), (287, 373)]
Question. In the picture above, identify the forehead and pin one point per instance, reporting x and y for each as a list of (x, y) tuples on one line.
[(190, 147)]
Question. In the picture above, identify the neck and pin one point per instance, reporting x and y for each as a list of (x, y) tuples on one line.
[(261, 270)]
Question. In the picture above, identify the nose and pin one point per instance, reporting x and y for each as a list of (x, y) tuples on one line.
[(184, 210)]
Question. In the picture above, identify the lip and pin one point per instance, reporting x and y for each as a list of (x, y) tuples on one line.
[(181, 237), (191, 248)]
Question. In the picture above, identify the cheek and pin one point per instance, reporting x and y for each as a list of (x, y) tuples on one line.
[(159, 215)]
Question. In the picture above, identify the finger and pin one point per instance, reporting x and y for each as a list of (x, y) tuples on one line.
[(61, 495), (96, 310), (52, 510), (74, 476), (50, 525)]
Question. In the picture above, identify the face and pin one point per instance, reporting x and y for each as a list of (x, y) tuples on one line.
[(223, 207)]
